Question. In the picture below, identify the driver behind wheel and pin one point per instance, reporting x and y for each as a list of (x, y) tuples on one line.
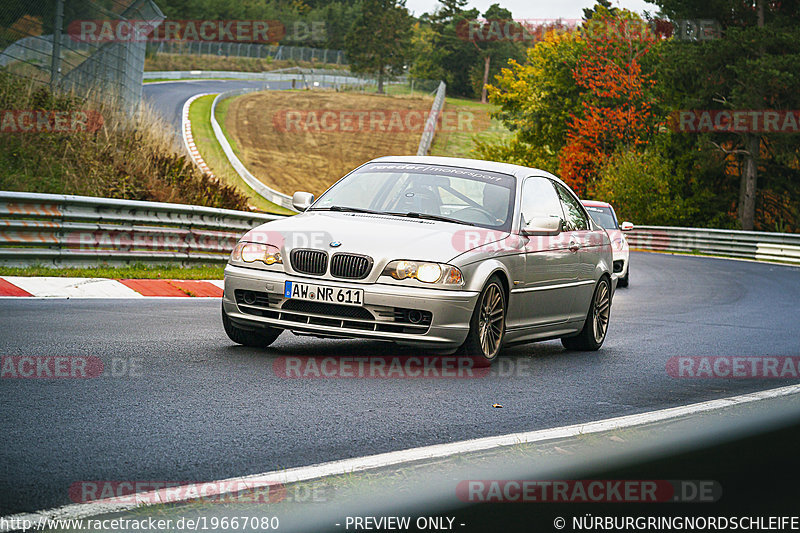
[(495, 201)]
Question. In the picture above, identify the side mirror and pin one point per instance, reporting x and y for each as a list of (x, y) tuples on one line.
[(543, 226), (302, 200), (626, 226)]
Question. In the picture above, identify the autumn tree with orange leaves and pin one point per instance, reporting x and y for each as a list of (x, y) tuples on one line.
[(617, 111)]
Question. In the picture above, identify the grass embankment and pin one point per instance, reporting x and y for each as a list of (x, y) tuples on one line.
[(239, 64), (419, 90), (211, 151), (131, 158), (137, 271), (459, 142), (308, 155)]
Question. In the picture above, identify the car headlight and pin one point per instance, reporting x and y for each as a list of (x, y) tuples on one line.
[(250, 252), (424, 272), (618, 244)]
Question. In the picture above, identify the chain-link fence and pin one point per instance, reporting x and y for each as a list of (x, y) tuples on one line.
[(253, 50), (36, 43)]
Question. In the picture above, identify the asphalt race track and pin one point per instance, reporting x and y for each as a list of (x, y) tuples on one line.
[(167, 98), (199, 408)]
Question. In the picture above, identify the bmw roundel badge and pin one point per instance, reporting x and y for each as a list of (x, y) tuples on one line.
[(335, 244)]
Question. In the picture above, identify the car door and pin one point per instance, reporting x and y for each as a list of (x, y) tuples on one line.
[(584, 242), (545, 293)]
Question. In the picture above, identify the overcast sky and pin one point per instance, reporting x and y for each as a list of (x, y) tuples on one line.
[(568, 9)]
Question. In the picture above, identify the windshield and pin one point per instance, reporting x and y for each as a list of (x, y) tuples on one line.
[(604, 216), (475, 197)]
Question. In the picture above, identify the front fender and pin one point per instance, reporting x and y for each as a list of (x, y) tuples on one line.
[(476, 274)]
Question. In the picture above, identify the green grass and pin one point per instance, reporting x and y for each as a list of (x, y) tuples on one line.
[(399, 89), (222, 113), (137, 271), (200, 117), (461, 143), (130, 157)]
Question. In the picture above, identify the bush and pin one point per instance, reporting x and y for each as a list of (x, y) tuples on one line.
[(643, 188), (132, 158)]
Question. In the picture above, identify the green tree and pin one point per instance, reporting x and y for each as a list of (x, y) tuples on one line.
[(644, 188), (536, 100), (601, 6), (752, 66), (379, 41), (449, 56), (496, 53)]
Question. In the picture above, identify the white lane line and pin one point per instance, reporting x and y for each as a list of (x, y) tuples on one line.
[(358, 464)]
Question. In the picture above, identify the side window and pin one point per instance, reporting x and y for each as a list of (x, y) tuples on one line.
[(539, 199), (575, 216)]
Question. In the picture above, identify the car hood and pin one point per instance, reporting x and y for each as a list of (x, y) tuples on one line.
[(382, 237)]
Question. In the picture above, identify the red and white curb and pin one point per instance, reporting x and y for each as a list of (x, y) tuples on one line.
[(188, 139), (53, 287)]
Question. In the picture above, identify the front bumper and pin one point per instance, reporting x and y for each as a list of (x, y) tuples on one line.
[(384, 315), (621, 259)]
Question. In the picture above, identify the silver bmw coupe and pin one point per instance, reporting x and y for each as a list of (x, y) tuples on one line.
[(449, 254)]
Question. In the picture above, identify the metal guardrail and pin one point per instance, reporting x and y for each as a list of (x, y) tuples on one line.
[(63, 230), (760, 246), (304, 77), (272, 195), (56, 229), (430, 125), (307, 76)]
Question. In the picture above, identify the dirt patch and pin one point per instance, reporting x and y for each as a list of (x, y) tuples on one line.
[(285, 141)]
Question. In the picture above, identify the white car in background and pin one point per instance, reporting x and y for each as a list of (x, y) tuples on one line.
[(604, 215)]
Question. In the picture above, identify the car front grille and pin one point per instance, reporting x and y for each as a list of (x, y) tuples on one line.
[(323, 308), (313, 262), (350, 266)]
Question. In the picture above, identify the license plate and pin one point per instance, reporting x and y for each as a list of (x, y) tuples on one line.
[(322, 293)]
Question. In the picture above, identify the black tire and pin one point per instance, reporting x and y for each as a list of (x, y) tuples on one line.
[(255, 339), (594, 330), (485, 338)]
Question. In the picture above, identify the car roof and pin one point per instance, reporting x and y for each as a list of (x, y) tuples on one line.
[(517, 171), (595, 203)]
